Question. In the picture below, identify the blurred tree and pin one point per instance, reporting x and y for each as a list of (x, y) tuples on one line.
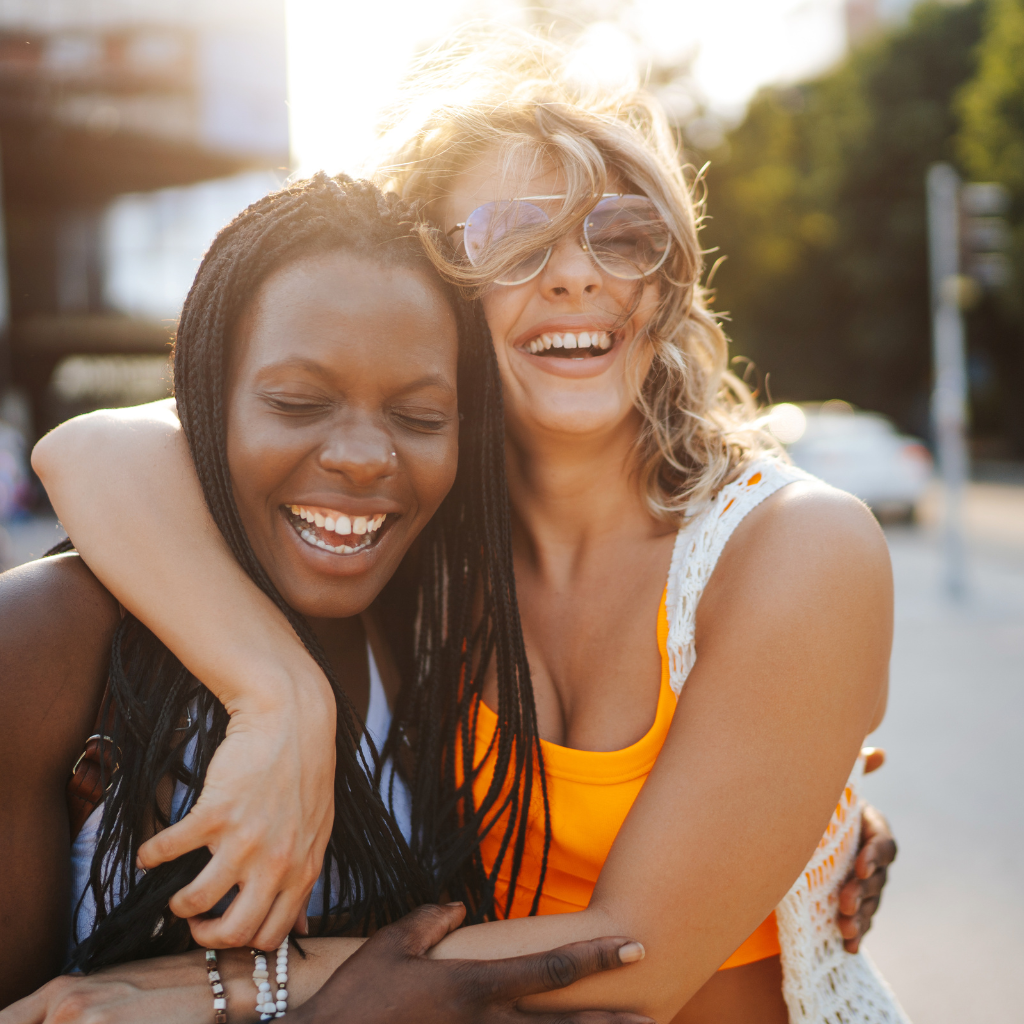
[(991, 146), (817, 199)]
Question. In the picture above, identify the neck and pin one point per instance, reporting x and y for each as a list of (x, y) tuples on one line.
[(570, 493)]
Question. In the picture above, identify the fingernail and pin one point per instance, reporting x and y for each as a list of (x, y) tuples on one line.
[(457, 903), (631, 952)]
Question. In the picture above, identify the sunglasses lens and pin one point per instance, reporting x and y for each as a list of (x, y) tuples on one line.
[(628, 236), (499, 224)]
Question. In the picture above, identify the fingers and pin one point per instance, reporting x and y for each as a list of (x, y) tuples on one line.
[(175, 841), (239, 923), (426, 926), (285, 911), (204, 891), (554, 968), (878, 848), (874, 758)]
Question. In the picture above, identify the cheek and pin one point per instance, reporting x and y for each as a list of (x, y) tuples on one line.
[(502, 306), (258, 460), (433, 463)]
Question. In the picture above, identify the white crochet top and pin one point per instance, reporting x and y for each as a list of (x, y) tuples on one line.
[(822, 983)]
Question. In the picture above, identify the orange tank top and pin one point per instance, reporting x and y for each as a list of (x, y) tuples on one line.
[(589, 794)]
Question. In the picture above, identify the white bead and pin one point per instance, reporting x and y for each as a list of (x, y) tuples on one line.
[(264, 986), (282, 993), (260, 973), (213, 975), (220, 1004), (282, 976), (282, 1004), (218, 988), (266, 1016)]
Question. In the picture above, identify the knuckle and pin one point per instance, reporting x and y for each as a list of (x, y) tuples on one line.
[(235, 935), (559, 969), (72, 1006)]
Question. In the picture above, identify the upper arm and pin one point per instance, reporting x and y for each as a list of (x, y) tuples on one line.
[(56, 624), (793, 640)]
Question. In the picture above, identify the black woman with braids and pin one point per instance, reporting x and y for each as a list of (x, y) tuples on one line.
[(340, 401)]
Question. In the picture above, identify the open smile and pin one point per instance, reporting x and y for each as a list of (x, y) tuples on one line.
[(570, 345), (337, 532)]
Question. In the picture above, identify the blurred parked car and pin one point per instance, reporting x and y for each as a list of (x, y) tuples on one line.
[(856, 451)]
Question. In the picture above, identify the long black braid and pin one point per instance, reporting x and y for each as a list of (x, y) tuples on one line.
[(167, 725)]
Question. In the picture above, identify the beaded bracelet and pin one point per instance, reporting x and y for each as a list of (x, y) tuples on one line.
[(220, 1000), (268, 1004)]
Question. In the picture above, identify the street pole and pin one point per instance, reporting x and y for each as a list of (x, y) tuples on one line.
[(949, 395)]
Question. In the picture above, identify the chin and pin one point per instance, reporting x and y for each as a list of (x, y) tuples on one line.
[(578, 418)]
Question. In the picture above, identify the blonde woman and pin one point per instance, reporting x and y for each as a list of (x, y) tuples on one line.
[(707, 628)]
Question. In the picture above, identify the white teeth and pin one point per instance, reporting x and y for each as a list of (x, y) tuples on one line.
[(337, 523), (546, 340), (603, 341), (583, 340), (556, 341), (568, 341)]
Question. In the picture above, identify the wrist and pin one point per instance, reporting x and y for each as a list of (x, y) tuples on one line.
[(275, 688)]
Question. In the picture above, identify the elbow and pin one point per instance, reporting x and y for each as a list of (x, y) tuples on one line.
[(54, 453)]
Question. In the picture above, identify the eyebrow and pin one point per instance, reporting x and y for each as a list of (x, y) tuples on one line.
[(436, 380)]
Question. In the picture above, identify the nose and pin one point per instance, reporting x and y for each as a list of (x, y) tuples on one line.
[(361, 450), (570, 273)]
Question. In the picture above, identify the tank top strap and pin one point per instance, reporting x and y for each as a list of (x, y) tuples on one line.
[(698, 546)]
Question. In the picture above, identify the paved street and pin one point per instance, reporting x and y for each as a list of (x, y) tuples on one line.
[(947, 937)]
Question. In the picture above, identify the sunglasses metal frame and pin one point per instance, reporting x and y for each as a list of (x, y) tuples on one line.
[(584, 241)]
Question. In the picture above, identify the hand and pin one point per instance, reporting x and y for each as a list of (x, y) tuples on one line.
[(860, 895), (265, 811), (390, 980), (165, 990)]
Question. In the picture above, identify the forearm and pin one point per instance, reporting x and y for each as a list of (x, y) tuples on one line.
[(125, 489), (636, 990)]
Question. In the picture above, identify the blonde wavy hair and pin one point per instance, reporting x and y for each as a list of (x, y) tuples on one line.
[(476, 94)]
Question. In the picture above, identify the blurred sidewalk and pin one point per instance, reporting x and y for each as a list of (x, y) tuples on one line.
[(947, 937)]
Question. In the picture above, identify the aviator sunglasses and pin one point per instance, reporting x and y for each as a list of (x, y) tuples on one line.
[(625, 235)]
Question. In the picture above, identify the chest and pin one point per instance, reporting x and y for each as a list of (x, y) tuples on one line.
[(592, 644)]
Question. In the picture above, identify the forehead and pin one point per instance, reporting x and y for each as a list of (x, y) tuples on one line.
[(342, 310), (494, 176)]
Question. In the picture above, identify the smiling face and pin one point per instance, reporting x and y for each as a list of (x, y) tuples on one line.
[(562, 338), (342, 425)]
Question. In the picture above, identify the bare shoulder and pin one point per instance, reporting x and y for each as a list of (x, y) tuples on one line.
[(56, 600), (807, 570), (56, 625), (804, 536)]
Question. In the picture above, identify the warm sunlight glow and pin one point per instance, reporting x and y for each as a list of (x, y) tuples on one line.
[(346, 59)]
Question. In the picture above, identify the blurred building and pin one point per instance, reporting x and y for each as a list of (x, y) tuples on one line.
[(865, 18), (110, 112)]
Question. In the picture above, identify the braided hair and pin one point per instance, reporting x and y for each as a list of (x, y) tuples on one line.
[(459, 612)]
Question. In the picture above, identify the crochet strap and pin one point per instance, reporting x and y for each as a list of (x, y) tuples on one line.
[(697, 549)]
